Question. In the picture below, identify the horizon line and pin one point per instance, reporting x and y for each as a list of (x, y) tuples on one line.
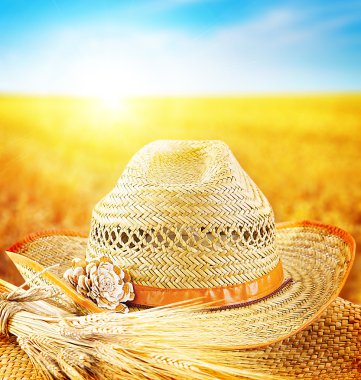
[(183, 95)]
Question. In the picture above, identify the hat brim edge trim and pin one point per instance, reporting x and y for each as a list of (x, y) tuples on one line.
[(17, 258)]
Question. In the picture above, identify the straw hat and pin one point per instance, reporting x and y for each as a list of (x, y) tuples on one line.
[(185, 221)]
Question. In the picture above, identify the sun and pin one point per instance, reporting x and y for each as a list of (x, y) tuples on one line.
[(110, 108), (111, 102)]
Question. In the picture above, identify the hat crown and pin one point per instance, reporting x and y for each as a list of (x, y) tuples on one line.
[(181, 163), (184, 214)]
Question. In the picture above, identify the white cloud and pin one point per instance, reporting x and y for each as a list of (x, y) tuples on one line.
[(268, 53)]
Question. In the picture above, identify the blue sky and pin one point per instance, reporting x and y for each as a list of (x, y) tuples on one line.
[(179, 47)]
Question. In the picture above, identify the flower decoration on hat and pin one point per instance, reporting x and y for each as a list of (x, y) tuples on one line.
[(103, 281)]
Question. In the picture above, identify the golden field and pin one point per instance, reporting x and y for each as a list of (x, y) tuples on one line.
[(59, 156)]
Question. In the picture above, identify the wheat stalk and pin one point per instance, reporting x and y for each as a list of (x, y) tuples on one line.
[(159, 343)]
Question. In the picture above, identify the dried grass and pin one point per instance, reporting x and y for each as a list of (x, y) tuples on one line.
[(59, 156), (159, 343)]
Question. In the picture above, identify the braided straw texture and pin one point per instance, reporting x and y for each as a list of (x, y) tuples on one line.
[(330, 348), (14, 362), (192, 201)]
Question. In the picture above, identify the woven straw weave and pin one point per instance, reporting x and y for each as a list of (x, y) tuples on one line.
[(330, 348), (192, 200), (14, 362)]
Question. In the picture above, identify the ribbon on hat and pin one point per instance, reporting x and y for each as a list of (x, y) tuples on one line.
[(146, 296), (222, 296)]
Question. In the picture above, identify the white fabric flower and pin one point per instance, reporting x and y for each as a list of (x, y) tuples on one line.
[(103, 281)]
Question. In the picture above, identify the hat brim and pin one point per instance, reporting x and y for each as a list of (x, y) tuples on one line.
[(14, 362), (315, 256)]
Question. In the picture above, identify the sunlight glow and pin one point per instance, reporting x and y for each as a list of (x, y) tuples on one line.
[(112, 102)]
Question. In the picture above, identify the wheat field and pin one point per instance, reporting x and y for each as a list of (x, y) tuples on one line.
[(59, 156)]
